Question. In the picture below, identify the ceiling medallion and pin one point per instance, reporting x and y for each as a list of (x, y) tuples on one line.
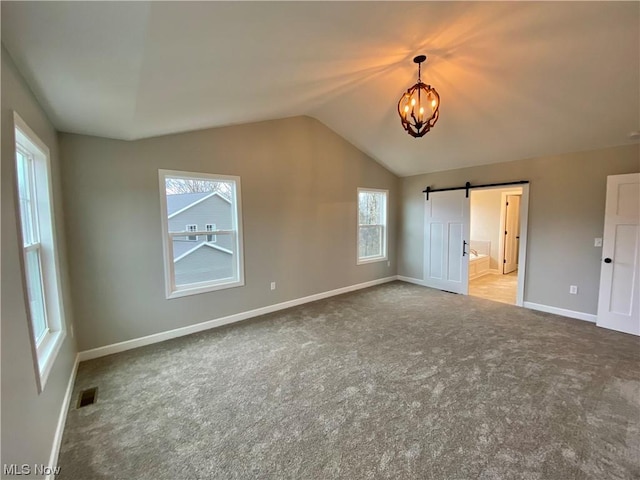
[(418, 107)]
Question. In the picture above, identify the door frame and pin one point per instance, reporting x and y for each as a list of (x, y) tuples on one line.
[(503, 225), (524, 222)]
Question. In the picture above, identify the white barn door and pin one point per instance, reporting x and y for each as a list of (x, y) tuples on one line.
[(446, 249), (618, 300)]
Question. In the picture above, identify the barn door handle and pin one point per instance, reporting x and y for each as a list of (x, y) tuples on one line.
[(464, 247), (607, 260)]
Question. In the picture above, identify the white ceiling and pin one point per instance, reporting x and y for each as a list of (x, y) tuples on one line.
[(516, 80)]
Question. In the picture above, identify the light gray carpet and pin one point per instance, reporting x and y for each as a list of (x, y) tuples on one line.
[(396, 381)]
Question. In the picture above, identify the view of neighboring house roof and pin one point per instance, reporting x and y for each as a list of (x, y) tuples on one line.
[(182, 249), (182, 201)]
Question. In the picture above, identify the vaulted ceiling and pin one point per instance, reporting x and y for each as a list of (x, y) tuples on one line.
[(516, 80)]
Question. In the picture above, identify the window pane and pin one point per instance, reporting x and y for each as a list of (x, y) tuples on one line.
[(196, 262), (196, 187), (372, 223), (211, 238), (25, 182), (370, 241), (370, 207), (192, 228), (35, 293), (202, 205)]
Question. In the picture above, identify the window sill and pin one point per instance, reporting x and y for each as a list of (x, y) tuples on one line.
[(187, 291), (364, 261), (47, 354)]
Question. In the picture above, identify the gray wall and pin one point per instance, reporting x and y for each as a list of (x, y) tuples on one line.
[(566, 213), (29, 419), (299, 196)]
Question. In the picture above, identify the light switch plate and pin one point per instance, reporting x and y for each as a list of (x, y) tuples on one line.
[(597, 242)]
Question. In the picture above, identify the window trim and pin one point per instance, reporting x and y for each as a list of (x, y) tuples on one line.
[(171, 291), (45, 351), (385, 254)]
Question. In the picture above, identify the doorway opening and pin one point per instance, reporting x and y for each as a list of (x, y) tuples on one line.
[(448, 237), (494, 255)]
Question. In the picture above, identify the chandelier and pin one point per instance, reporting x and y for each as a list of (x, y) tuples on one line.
[(418, 107)]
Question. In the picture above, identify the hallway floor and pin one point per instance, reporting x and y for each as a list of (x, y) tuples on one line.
[(499, 288)]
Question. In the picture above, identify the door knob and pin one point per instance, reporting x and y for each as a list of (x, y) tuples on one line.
[(607, 260)]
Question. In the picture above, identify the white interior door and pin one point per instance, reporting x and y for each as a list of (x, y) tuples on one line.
[(446, 252), (511, 234), (619, 286)]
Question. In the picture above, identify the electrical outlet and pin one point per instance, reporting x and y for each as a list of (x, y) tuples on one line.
[(273, 285), (389, 263), (71, 328), (573, 289), (597, 242)]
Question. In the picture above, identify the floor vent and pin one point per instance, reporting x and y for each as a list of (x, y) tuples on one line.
[(87, 397)]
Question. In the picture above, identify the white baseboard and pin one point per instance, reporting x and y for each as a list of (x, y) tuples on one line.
[(218, 322), (62, 419), (415, 281), (533, 306), (588, 317)]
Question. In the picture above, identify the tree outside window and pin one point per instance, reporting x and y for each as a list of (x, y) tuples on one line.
[(372, 225)]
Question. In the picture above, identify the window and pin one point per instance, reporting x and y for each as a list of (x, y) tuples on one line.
[(192, 228), (197, 261), (40, 269), (211, 227), (372, 225)]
